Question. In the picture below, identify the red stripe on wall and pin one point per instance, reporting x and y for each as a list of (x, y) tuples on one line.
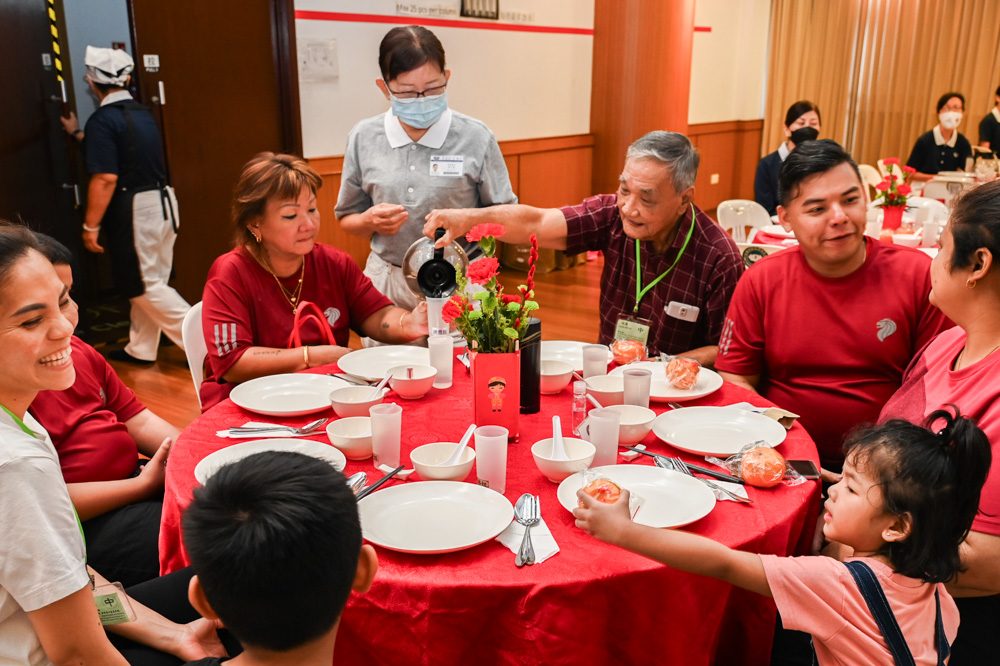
[(702, 29), (437, 23)]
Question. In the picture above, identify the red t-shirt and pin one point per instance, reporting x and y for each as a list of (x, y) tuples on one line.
[(930, 383), (830, 349), (87, 420), (243, 307)]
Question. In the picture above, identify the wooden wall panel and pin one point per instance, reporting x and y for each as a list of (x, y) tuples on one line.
[(730, 149), (556, 178)]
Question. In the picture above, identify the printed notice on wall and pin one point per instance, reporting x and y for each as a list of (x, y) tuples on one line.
[(318, 62), (427, 8)]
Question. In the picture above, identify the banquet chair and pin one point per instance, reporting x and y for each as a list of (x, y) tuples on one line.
[(751, 252), (942, 190), (928, 206), (735, 215), (881, 168), (194, 346), (870, 177)]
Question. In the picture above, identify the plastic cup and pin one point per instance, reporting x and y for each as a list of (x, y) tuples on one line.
[(387, 427), (601, 430), (436, 324), (442, 352), (491, 457), (595, 361), (931, 232), (637, 382)]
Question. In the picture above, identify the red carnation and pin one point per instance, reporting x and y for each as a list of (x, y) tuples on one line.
[(477, 232), (904, 189), (483, 270), (891, 160), (883, 186), (909, 169), (453, 309), (507, 299)]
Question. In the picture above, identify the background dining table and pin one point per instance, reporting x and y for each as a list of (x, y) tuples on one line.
[(591, 603)]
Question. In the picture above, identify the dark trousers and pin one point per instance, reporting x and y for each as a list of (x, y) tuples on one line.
[(122, 544), (977, 633)]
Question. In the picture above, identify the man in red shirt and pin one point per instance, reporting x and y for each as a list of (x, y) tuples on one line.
[(826, 328), (669, 269)]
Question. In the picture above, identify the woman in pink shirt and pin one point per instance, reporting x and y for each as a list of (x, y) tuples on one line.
[(962, 367), (905, 503)]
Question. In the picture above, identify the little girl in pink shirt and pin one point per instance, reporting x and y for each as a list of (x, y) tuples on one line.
[(905, 503)]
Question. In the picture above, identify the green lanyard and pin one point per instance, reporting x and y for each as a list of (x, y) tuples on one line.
[(639, 292), (29, 431)]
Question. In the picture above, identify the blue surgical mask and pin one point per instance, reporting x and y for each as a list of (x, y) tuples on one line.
[(419, 112)]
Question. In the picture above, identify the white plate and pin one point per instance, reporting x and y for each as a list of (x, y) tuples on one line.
[(777, 230), (433, 516), (661, 390), (670, 499), (287, 395), (716, 431), (372, 363), (211, 463), (570, 351)]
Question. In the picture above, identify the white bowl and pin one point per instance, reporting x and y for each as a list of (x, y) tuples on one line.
[(906, 240), (634, 423), (413, 387), (353, 400), (580, 453), (608, 389), (427, 461), (353, 436), (555, 375)]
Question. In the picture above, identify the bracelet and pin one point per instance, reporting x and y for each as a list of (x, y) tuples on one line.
[(401, 317), (77, 131), (305, 354), (86, 228)]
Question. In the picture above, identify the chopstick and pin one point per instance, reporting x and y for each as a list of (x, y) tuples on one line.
[(364, 491), (721, 476)]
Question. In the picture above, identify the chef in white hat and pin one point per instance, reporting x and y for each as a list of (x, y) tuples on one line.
[(128, 195)]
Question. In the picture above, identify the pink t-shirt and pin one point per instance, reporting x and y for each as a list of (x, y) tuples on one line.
[(830, 349), (818, 595), (87, 421), (930, 383), (243, 307)]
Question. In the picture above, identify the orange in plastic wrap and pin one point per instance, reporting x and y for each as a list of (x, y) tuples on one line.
[(762, 467), (628, 351), (603, 490), (682, 372)]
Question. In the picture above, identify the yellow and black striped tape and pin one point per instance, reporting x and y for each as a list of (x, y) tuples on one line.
[(56, 50)]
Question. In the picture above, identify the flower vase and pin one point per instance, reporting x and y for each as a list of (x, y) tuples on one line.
[(496, 389), (892, 217)]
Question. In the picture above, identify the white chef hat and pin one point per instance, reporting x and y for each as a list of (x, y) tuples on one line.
[(109, 66)]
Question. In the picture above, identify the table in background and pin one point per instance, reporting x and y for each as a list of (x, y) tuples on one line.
[(591, 603)]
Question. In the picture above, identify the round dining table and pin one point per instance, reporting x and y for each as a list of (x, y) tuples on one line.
[(591, 603)]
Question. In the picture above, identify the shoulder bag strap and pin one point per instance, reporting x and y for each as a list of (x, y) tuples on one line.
[(878, 605), (305, 312)]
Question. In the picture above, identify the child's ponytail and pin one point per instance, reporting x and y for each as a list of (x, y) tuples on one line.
[(969, 449)]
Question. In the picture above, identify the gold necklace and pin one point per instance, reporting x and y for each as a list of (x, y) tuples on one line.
[(961, 354), (291, 296)]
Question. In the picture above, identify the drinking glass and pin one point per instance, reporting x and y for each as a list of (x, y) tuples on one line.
[(637, 382), (491, 457), (442, 352), (595, 361), (602, 432), (387, 426)]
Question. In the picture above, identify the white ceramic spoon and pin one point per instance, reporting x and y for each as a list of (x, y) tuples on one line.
[(456, 455), (558, 449)]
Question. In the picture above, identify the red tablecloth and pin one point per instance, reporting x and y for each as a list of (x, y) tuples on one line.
[(590, 603), (764, 238)]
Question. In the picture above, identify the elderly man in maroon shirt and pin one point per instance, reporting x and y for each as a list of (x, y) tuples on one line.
[(669, 269)]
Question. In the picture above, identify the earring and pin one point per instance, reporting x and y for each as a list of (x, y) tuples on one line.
[(970, 283), (256, 235)]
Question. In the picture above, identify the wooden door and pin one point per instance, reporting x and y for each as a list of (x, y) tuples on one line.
[(229, 91)]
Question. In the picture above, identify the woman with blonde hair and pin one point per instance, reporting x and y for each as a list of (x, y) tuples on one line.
[(254, 291)]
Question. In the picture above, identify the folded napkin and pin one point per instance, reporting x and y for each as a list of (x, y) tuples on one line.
[(782, 416), (734, 488), (259, 435), (541, 539)]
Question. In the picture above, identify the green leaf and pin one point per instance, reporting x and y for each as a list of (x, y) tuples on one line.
[(510, 333)]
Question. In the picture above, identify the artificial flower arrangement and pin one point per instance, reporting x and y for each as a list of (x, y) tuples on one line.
[(893, 190), (491, 321)]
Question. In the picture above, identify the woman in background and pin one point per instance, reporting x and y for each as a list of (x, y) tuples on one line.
[(802, 123)]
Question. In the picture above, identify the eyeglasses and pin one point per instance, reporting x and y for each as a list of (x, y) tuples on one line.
[(413, 94)]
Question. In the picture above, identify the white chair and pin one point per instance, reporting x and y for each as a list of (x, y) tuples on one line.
[(751, 252), (870, 177), (882, 170), (736, 215), (194, 346), (923, 207)]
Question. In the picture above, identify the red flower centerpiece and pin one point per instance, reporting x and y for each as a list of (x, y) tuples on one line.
[(893, 193)]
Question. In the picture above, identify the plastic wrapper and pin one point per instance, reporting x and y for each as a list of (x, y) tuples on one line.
[(682, 373), (605, 490), (760, 465), (628, 351)]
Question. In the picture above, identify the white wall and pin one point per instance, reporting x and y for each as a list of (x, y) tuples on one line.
[(98, 23), (522, 85), (729, 64)]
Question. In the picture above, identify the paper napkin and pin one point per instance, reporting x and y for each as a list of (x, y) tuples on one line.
[(541, 539), (734, 488)]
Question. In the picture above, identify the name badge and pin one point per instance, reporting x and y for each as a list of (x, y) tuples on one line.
[(632, 328), (450, 166)]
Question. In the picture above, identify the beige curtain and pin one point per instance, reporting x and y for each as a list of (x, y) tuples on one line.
[(877, 67)]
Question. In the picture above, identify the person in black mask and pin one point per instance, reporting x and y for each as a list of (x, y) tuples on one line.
[(802, 123)]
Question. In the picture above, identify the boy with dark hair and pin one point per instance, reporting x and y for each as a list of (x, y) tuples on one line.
[(275, 542)]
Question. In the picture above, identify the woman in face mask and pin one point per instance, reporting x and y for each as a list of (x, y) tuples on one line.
[(802, 123), (943, 148), (418, 156)]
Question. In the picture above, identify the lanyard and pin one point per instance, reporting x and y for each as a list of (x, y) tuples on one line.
[(639, 291), (29, 431)]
